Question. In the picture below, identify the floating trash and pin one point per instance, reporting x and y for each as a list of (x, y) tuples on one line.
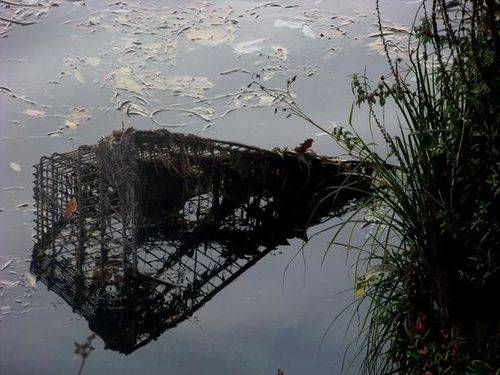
[(5, 265), (22, 13), (140, 230), (34, 113)]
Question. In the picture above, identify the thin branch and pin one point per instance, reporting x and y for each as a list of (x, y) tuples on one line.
[(17, 22), (35, 4)]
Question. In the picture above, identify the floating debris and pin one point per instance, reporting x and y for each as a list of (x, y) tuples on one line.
[(140, 57), (308, 32), (5, 265), (70, 124), (24, 13), (290, 24), (248, 47), (211, 36), (235, 70), (396, 38), (55, 133), (34, 113), (124, 80), (8, 188), (15, 167), (78, 76), (8, 283), (183, 85), (30, 280), (93, 60), (75, 118), (162, 221), (280, 52)]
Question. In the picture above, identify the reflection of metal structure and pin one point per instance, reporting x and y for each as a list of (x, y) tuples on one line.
[(139, 231)]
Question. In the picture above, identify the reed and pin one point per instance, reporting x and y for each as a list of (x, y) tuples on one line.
[(429, 271)]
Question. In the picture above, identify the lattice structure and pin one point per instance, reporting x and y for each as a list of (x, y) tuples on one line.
[(140, 230)]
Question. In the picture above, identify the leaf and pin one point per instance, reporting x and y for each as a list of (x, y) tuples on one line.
[(30, 280), (249, 47), (78, 76), (280, 52), (55, 133), (78, 116), (93, 61), (308, 32), (424, 351), (70, 208), (360, 288), (266, 100), (71, 62), (125, 81), (210, 36), (123, 19), (5, 265), (8, 283), (266, 76), (288, 24), (371, 273), (304, 146), (377, 45), (70, 124), (377, 270), (15, 167), (34, 113), (182, 85)]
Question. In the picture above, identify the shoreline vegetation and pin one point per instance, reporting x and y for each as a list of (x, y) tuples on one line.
[(428, 273)]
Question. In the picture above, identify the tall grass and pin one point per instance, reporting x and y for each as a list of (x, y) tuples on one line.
[(429, 272)]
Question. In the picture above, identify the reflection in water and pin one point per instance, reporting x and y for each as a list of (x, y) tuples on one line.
[(139, 231)]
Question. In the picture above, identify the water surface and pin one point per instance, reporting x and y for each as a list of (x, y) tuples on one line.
[(83, 70)]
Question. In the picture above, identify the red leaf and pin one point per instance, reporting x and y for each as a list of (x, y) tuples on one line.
[(304, 146), (70, 208)]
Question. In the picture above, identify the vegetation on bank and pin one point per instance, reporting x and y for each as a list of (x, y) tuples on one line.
[(430, 270)]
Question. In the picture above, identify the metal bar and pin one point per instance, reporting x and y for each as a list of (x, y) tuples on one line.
[(133, 214), (102, 225), (80, 219)]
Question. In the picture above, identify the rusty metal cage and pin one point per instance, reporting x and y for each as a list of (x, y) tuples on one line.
[(140, 230)]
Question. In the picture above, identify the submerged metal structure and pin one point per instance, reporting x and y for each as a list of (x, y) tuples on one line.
[(140, 230)]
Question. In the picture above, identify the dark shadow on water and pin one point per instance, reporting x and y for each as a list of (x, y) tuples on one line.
[(139, 231)]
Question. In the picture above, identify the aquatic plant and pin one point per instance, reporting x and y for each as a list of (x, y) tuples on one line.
[(83, 350), (428, 272)]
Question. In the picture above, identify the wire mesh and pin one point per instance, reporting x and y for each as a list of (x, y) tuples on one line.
[(141, 229)]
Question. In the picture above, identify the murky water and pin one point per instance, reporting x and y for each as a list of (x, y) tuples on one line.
[(83, 70)]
